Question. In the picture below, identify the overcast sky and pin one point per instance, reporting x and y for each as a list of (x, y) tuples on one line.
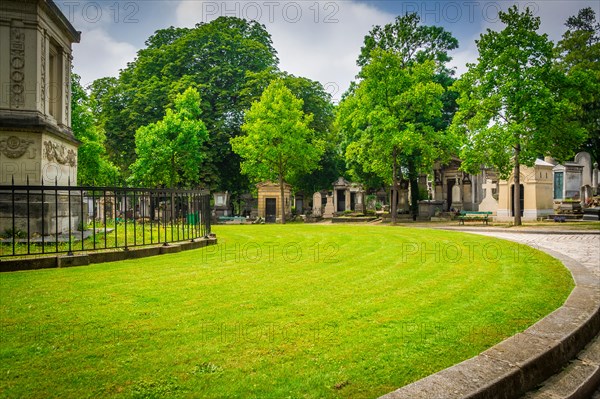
[(319, 40)]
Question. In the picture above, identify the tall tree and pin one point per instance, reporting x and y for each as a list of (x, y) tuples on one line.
[(514, 105), (316, 101), (392, 108), (278, 144), (409, 48), (578, 54), (168, 151), (212, 57), (93, 166)]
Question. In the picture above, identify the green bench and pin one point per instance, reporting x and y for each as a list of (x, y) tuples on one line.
[(473, 215)]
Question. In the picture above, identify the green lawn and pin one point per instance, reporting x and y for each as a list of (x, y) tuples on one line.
[(298, 311)]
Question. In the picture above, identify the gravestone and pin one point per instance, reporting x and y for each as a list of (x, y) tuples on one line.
[(585, 160), (329, 207), (488, 204), (299, 203), (317, 207), (456, 196)]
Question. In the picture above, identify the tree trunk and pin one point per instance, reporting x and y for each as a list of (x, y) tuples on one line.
[(517, 190), (282, 202), (394, 204), (414, 189)]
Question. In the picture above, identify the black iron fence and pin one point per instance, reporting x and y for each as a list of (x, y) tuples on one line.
[(65, 219)]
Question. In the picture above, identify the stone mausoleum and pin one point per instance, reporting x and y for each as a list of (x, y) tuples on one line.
[(270, 201), (36, 142)]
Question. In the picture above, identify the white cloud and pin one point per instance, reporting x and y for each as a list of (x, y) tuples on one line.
[(553, 15), (326, 52), (100, 56), (320, 40), (317, 40), (465, 54)]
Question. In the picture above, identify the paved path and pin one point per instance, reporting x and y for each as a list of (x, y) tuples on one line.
[(584, 248)]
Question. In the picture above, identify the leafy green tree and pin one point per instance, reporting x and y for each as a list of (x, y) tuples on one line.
[(409, 41), (168, 151), (213, 58), (390, 112), (351, 129), (278, 145), (578, 54), (401, 49), (316, 101), (93, 166), (514, 105)]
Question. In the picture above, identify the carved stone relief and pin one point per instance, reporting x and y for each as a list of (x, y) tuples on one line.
[(55, 152), (43, 70), (17, 65), (14, 147), (67, 92)]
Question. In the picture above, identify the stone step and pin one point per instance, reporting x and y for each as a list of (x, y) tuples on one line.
[(579, 380)]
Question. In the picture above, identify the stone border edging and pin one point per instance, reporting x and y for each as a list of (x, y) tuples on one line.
[(512, 231), (522, 362), (49, 262)]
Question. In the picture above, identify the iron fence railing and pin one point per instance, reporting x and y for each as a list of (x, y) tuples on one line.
[(46, 219)]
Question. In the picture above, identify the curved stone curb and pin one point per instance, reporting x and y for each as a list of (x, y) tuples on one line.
[(513, 231), (578, 380), (523, 361)]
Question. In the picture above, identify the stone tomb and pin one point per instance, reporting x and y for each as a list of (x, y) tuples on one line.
[(270, 201), (577, 180), (37, 145), (347, 196), (457, 189), (536, 193)]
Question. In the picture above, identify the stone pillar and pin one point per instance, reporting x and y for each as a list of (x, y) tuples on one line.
[(359, 207), (347, 196)]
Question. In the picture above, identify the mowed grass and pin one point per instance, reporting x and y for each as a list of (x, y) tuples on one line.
[(295, 311)]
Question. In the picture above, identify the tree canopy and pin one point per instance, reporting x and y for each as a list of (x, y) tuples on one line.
[(213, 58), (578, 54), (93, 166), (169, 151)]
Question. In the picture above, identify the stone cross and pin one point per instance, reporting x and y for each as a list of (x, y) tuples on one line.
[(488, 187), (488, 204)]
